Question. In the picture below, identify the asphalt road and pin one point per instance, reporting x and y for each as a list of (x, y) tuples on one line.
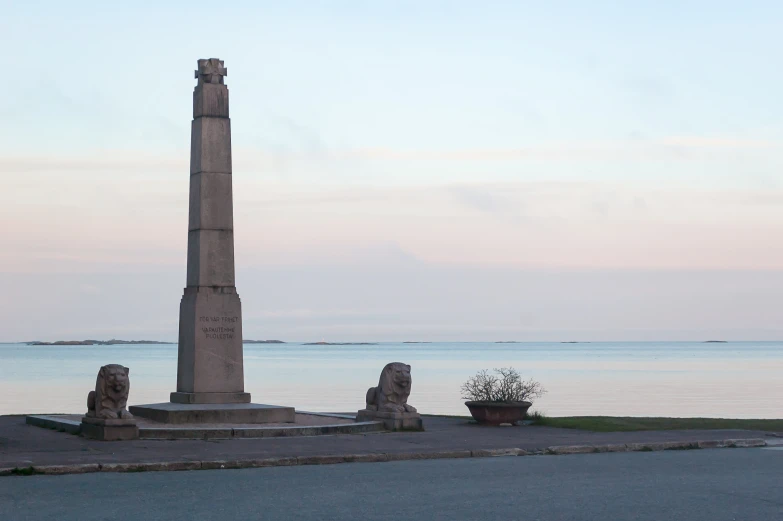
[(713, 485)]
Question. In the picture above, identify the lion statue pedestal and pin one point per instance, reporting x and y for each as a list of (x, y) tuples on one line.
[(389, 401), (107, 415)]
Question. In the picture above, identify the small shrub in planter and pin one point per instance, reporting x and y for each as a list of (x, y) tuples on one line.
[(500, 397)]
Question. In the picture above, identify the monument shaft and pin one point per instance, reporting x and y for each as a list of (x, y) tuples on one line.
[(210, 358), (210, 376)]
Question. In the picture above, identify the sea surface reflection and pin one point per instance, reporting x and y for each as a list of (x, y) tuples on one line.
[(737, 379)]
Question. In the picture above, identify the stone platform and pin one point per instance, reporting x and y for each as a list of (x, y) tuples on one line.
[(108, 429), (239, 397), (189, 413), (304, 424)]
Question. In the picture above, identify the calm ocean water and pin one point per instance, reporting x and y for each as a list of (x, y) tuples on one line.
[(737, 379)]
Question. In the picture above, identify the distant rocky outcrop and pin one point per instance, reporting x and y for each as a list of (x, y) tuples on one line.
[(341, 344), (112, 342)]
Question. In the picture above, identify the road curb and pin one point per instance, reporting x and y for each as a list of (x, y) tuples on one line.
[(164, 466), (657, 446)]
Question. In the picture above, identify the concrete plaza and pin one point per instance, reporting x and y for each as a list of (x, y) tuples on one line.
[(24, 446)]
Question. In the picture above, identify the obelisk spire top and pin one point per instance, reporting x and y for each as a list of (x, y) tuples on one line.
[(210, 71)]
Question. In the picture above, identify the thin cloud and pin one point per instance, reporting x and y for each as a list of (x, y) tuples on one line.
[(103, 161), (716, 142), (481, 198), (601, 150), (263, 158)]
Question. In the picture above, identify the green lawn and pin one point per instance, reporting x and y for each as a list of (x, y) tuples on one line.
[(617, 423)]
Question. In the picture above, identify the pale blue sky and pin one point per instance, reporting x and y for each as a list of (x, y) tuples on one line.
[(313, 77), (523, 135)]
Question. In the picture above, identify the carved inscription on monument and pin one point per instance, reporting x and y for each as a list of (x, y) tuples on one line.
[(218, 327)]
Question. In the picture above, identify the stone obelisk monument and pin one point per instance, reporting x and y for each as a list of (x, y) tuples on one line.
[(210, 375), (210, 368)]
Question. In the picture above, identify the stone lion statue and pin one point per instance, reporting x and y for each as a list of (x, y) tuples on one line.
[(393, 390), (110, 397)]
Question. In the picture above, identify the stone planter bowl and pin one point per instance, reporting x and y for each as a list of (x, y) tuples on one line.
[(495, 413)]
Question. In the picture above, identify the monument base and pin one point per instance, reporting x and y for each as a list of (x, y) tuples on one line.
[(109, 430), (178, 397), (393, 421), (237, 413)]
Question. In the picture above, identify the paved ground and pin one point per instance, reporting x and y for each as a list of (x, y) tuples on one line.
[(23, 445), (709, 485)]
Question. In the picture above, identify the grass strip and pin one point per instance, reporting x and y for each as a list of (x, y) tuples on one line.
[(628, 424)]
